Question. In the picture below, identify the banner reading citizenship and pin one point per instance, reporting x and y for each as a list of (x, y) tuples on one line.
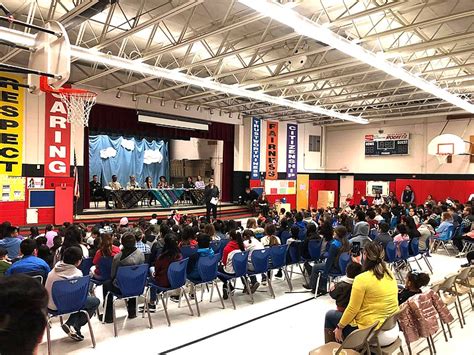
[(291, 151), (11, 124), (255, 149), (272, 150)]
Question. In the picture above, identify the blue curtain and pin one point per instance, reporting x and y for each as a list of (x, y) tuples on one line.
[(126, 162)]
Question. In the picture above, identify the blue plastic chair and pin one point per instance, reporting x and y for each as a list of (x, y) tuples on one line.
[(284, 236), (85, 266), (393, 223), (207, 268), (302, 234), (187, 250), (294, 258), (222, 245), (415, 251), (278, 261), (215, 246), (105, 268), (240, 265), (177, 278), (314, 249), (344, 260), (70, 297), (260, 261), (131, 281)]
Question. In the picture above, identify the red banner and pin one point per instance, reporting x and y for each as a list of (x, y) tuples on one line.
[(272, 151), (57, 150)]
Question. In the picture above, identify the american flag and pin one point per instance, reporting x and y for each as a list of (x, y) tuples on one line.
[(77, 192)]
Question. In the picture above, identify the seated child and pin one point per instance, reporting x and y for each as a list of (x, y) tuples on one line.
[(4, 263), (413, 284), (402, 236), (342, 290), (203, 242)]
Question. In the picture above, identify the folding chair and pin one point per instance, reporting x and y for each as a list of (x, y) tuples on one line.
[(463, 287), (70, 297), (388, 324), (240, 264), (355, 343), (177, 279), (278, 261), (207, 268), (448, 294), (131, 281), (445, 240)]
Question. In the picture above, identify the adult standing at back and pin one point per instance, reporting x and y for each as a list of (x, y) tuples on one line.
[(211, 197), (374, 297), (408, 195)]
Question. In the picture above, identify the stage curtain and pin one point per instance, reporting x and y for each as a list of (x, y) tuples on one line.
[(126, 162)]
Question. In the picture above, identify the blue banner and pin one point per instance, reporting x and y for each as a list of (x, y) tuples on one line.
[(255, 148), (291, 151)]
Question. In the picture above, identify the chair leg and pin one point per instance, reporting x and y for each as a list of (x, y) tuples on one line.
[(247, 286), (288, 280), (417, 263), (229, 292), (425, 258), (449, 330), (270, 287), (193, 287), (444, 330), (304, 274), (212, 292), (114, 317), (148, 313), (165, 309), (104, 310), (214, 283), (459, 315), (461, 310), (187, 300), (90, 327), (48, 337)]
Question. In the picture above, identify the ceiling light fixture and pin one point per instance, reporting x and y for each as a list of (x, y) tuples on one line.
[(305, 27), (148, 100), (95, 56), (134, 97)]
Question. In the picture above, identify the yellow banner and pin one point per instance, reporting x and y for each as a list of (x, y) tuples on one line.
[(12, 110)]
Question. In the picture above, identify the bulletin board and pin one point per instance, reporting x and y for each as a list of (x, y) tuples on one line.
[(12, 188), (41, 198), (280, 187)]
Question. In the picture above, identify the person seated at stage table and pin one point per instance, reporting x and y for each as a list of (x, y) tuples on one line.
[(148, 183), (189, 184), (163, 183), (199, 184), (133, 184), (249, 198), (96, 190), (115, 184)]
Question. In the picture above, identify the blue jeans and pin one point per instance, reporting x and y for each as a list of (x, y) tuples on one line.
[(77, 320), (331, 320)]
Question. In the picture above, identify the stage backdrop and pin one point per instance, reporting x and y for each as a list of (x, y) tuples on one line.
[(127, 156)]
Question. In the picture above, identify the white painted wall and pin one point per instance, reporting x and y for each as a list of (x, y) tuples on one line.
[(345, 147), (243, 143)]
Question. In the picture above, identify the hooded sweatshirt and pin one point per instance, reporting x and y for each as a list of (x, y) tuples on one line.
[(342, 293), (61, 271)]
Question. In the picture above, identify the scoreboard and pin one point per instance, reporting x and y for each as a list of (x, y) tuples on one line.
[(386, 144)]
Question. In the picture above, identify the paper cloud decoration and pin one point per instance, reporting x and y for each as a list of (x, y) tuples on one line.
[(152, 156), (127, 144), (108, 153)]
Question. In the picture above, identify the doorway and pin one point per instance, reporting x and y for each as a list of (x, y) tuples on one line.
[(346, 186)]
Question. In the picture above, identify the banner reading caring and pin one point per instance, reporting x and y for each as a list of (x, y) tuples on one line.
[(57, 159), (291, 151), (12, 113), (272, 150), (255, 149)]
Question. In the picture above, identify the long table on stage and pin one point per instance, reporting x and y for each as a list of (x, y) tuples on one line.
[(165, 197)]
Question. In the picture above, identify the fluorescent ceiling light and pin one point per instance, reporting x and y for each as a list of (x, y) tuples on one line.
[(305, 27), (172, 123), (95, 56)]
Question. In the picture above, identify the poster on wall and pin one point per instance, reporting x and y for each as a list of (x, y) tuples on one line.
[(255, 149), (291, 151), (12, 112), (35, 182), (272, 151), (12, 188), (280, 187), (57, 151), (377, 187)]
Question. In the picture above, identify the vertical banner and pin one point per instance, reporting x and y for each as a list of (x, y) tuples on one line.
[(12, 111), (255, 149), (57, 150), (272, 150), (291, 151)]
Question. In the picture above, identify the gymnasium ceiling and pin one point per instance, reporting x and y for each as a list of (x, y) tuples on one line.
[(227, 41)]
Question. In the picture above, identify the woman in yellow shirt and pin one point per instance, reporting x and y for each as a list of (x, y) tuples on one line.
[(374, 296)]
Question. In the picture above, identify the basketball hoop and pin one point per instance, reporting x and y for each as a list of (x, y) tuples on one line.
[(77, 101), (442, 158)]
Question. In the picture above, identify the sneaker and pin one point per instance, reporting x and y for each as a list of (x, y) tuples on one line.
[(79, 335), (279, 274), (321, 293), (191, 296), (151, 308), (107, 320), (254, 287), (264, 282), (71, 332), (174, 299), (225, 294)]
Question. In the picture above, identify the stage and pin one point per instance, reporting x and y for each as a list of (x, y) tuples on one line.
[(225, 210)]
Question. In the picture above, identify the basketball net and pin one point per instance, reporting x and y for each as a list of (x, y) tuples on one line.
[(442, 158)]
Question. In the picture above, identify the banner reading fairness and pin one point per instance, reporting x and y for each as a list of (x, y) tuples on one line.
[(291, 151), (272, 150), (11, 124), (255, 149)]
